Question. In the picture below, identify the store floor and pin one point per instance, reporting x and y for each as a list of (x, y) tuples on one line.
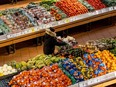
[(27, 49)]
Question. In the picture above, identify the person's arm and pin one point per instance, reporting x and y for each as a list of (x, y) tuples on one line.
[(59, 43)]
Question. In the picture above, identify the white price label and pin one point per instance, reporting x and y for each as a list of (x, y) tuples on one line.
[(29, 31), (61, 22), (89, 82), (19, 33), (55, 23), (103, 10), (43, 26), (14, 35), (23, 32), (115, 7), (9, 36), (47, 26), (97, 12), (36, 29), (76, 18), (110, 8), (83, 84), (71, 19), (115, 74)]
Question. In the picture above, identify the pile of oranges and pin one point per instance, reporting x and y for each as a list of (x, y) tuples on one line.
[(108, 58)]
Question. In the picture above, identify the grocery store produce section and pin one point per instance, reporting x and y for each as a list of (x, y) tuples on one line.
[(75, 65), (20, 24)]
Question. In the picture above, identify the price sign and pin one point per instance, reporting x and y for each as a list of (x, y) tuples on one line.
[(19, 33), (81, 85), (32, 29), (71, 19), (97, 12), (110, 8), (14, 35), (89, 82), (103, 10), (40, 27), (23, 32), (29, 31), (61, 22), (76, 18), (114, 7), (115, 73), (67, 20), (36, 28), (9, 36)]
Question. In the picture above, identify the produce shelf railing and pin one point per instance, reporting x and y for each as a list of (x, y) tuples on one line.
[(94, 81)]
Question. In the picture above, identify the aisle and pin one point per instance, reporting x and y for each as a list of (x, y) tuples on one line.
[(27, 50)]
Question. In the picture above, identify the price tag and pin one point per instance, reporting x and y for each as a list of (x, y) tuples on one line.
[(32, 29), (114, 7), (23, 32), (97, 12), (89, 82), (103, 10), (115, 73), (81, 85), (36, 28), (40, 27), (61, 22), (14, 35), (9, 36), (29, 31), (110, 8), (18, 34), (76, 18), (67, 20)]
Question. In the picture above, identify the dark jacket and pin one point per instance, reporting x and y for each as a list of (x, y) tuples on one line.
[(49, 44)]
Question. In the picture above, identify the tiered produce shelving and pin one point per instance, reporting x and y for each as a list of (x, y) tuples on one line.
[(61, 25)]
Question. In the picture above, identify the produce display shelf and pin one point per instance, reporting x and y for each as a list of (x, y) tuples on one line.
[(61, 25), (101, 81)]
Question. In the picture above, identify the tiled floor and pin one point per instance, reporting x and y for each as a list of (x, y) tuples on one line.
[(27, 49)]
